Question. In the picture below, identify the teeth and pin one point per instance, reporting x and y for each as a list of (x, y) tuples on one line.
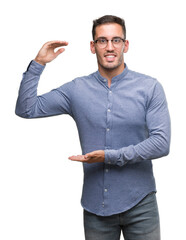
[(110, 56)]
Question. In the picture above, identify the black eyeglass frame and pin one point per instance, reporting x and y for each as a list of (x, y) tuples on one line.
[(101, 38)]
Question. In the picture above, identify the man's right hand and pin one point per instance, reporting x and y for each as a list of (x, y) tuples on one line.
[(47, 53)]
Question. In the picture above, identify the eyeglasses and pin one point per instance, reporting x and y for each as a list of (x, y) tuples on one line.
[(103, 42)]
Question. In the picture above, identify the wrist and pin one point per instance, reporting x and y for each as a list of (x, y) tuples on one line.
[(40, 62)]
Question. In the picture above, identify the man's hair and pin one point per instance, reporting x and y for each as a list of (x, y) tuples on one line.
[(108, 19)]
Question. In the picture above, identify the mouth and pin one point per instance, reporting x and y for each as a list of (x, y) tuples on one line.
[(110, 57)]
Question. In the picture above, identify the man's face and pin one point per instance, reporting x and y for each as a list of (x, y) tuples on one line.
[(110, 57)]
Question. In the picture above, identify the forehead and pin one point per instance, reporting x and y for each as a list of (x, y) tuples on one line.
[(109, 30)]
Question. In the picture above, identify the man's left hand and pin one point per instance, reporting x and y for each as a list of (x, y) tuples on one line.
[(92, 157)]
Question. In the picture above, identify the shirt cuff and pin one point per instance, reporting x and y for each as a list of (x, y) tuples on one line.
[(111, 156), (35, 68)]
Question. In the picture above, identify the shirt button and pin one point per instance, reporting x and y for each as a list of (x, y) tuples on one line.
[(106, 170), (110, 91), (104, 80), (108, 110), (108, 129), (109, 162), (106, 190)]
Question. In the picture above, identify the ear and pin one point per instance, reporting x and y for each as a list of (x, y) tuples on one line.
[(126, 48), (92, 47)]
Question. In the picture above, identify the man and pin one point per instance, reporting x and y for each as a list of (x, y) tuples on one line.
[(123, 123)]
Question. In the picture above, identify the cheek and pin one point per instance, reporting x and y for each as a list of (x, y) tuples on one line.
[(121, 53), (99, 54), (122, 50)]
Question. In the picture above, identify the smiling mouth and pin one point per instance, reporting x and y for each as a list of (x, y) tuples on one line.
[(110, 57)]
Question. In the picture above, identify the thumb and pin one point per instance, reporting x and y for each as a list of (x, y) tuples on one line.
[(59, 51), (86, 156)]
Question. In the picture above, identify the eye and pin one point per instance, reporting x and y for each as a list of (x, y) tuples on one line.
[(116, 40), (102, 40)]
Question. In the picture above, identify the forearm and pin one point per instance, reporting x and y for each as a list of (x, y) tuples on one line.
[(151, 148), (27, 97), (158, 142)]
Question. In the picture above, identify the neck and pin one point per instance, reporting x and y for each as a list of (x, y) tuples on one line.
[(110, 73)]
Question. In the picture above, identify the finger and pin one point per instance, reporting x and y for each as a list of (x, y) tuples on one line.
[(90, 154), (55, 44), (77, 158), (55, 41)]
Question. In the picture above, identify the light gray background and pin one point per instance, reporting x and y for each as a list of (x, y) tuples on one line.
[(40, 188)]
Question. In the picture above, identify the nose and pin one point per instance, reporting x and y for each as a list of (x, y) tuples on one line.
[(109, 46)]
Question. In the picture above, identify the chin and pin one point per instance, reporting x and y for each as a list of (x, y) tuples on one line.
[(110, 66)]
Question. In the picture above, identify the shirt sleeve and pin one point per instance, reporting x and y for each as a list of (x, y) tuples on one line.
[(158, 142), (29, 105)]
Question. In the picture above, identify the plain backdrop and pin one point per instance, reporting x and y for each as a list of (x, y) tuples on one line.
[(40, 189)]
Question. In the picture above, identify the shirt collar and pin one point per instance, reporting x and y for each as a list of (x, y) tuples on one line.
[(116, 78)]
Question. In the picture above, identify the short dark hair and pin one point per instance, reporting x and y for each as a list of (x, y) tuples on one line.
[(108, 19)]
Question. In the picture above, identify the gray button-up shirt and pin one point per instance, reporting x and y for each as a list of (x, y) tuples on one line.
[(129, 121)]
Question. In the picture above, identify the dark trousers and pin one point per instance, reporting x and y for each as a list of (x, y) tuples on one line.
[(139, 223)]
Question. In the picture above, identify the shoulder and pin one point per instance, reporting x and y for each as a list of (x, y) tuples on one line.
[(78, 82), (83, 79), (146, 82), (147, 85), (142, 78)]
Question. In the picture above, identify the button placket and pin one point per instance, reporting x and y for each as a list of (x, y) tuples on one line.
[(107, 144), (108, 119)]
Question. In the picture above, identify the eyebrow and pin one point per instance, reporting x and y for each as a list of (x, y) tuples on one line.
[(106, 38)]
